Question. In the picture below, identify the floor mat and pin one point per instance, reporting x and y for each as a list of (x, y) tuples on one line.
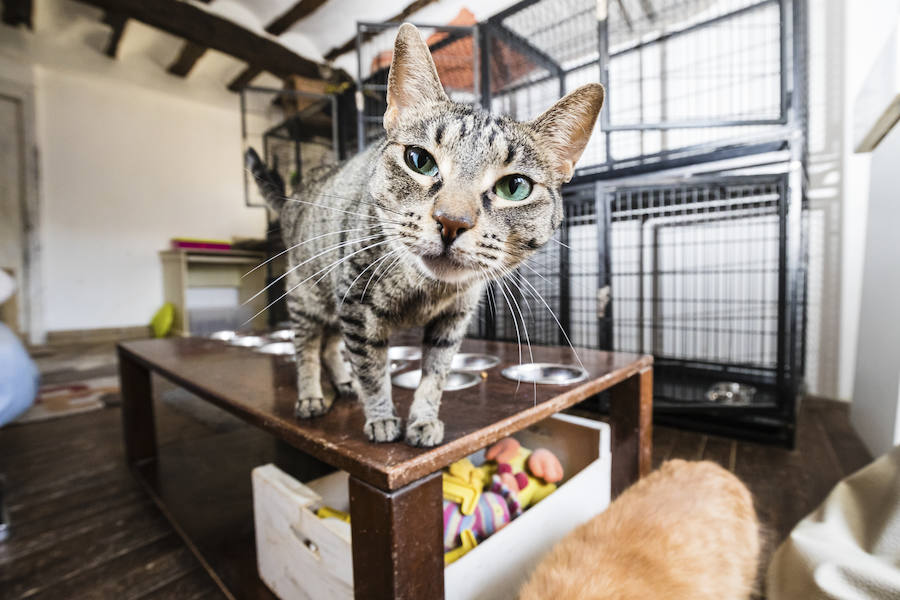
[(62, 400)]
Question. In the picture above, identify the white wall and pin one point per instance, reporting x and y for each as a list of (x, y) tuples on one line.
[(129, 157), (123, 170), (867, 27), (876, 394)]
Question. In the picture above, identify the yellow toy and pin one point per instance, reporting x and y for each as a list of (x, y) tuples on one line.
[(463, 485), (326, 512), (468, 542)]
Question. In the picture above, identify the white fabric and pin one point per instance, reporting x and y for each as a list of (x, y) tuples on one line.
[(7, 286), (849, 548)]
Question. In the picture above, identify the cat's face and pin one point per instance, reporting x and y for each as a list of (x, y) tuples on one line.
[(472, 194)]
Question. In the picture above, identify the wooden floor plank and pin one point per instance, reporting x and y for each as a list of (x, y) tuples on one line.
[(664, 439), (22, 545), (720, 450), (73, 556), (191, 586), (128, 576), (834, 418)]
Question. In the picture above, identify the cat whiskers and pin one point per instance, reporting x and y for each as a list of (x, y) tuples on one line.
[(304, 242), (313, 257), (327, 269), (340, 210), (539, 296), (361, 273)]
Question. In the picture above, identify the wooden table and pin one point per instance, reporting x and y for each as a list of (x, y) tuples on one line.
[(395, 490)]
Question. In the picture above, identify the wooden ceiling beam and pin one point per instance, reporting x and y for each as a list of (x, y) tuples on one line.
[(18, 12), (117, 22), (288, 19), (196, 25), (404, 14), (187, 58)]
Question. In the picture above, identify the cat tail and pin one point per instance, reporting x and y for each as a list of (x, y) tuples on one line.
[(270, 183)]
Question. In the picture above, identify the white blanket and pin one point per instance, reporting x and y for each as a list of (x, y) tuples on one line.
[(849, 548)]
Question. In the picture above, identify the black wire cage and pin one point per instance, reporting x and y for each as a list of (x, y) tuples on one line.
[(685, 229)]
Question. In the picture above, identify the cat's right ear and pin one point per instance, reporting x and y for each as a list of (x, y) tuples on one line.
[(413, 79)]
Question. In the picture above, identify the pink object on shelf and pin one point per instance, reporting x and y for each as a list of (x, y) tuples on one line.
[(200, 245)]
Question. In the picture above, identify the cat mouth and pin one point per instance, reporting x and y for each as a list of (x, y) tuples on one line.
[(444, 264)]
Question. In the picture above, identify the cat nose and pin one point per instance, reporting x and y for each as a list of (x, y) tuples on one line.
[(452, 226)]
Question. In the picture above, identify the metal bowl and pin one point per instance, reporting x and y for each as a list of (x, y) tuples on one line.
[(247, 341), (731, 393), (404, 353), (226, 335), (398, 365), (550, 373), (281, 335), (279, 348), (456, 380), (474, 362)]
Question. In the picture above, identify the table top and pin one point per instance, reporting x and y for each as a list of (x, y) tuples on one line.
[(261, 389)]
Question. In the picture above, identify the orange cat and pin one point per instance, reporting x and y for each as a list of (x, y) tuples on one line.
[(687, 531)]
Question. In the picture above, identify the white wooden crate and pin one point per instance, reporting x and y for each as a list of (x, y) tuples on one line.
[(301, 556)]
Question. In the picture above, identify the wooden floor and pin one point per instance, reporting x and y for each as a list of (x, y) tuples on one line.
[(82, 528)]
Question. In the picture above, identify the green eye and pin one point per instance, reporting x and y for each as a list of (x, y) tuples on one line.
[(513, 187), (420, 161)]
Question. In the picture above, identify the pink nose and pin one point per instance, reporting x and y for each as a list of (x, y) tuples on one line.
[(452, 226)]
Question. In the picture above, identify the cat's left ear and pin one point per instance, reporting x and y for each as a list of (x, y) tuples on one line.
[(413, 79), (566, 127)]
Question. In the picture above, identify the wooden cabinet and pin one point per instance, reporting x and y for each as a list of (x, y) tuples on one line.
[(185, 272)]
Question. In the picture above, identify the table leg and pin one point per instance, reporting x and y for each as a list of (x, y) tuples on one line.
[(631, 417), (138, 426), (398, 549)]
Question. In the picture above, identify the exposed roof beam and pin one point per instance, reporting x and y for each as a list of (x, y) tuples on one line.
[(648, 9), (118, 22), (18, 12), (404, 14), (196, 25), (625, 16), (293, 15), (187, 58)]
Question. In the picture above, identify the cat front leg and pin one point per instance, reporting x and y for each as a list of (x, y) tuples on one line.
[(441, 341), (311, 400), (367, 351)]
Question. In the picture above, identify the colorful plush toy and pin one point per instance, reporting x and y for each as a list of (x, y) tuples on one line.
[(533, 475), (479, 501)]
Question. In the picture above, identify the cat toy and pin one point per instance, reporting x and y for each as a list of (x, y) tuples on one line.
[(480, 500)]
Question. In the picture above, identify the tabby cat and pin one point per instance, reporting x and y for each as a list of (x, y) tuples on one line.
[(407, 233), (686, 532)]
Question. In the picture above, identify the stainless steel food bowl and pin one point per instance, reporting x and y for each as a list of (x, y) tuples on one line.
[(226, 335), (398, 365), (247, 341), (404, 353), (279, 348), (473, 362), (456, 380), (731, 393), (281, 335), (550, 373)]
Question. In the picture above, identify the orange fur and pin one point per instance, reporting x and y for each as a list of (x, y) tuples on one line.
[(687, 531)]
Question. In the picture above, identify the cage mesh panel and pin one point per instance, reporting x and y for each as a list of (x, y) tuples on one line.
[(691, 72), (694, 271)]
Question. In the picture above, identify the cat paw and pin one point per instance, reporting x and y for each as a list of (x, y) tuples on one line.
[(425, 433), (306, 408), (345, 389), (383, 430)]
